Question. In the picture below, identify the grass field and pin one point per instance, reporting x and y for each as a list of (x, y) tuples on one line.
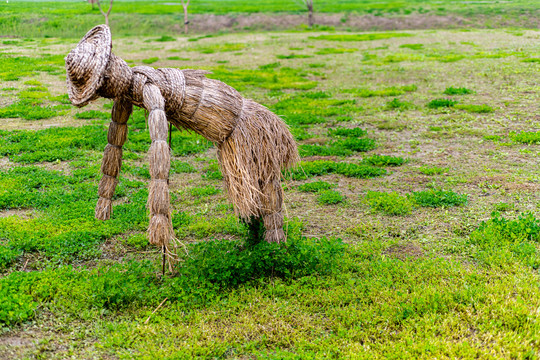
[(71, 19), (413, 220)]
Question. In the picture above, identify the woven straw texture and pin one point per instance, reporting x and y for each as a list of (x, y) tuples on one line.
[(254, 145), (86, 65)]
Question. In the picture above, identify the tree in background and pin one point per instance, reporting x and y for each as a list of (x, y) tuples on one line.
[(309, 5), (92, 2), (106, 14), (185, 4)]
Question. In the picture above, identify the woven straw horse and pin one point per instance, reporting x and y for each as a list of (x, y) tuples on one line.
[(254, 145)]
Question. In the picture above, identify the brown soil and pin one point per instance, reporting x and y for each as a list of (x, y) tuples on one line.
[(405, 251), (200, 23), (318, 157)]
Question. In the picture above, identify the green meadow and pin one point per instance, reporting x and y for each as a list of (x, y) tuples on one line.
[(413, 219), (70, 19)]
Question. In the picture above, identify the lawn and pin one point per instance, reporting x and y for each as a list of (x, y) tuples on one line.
[(413, 220), (140, 18)]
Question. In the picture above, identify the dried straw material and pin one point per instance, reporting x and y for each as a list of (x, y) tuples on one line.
[(118, 75), (160, 230), (273, 224), (117, 134), (112, 160), (121, 110), (152, 98), (157, 125), (160, 160), (173, 89), (193, 80), (218, 110), (252, 173), (254, 145), (103, 209), (137, 85), (106, 187), (85, 65), (158, 197)]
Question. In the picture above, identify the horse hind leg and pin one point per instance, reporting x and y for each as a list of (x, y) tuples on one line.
[(272, 213)]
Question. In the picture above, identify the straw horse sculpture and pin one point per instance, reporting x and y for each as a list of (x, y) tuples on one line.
[(254, 144)]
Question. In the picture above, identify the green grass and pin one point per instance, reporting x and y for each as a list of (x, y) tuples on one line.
[(70, 143), (389, 91), (284, 78), (165, 38), (225, 47), (359, 37), (330, 197), (181, 167), (422, 291), (46, 19), (212, 171), (500, 241), (439, 198), (331, 149), (216, 265), (309, 169), (293, 56), (347, 132), (150, 60), (33, 82), (412, 46), (177, 58), (204, 191), (13, 68), (64, 198), (28, 110), (93, 114), (503, 207), (35, 94), (525, 137), (316, 186), (313, 108), (441, 103), (432, 170), (479, 109), (328, 51), (391, 203), (384, 160), (405, 274), (397, 104), (358, 145), (342, 147), (457, 91)]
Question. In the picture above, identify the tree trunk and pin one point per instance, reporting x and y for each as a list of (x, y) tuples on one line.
[(106, 14), (186, 21), (309, 4), (185, 5)]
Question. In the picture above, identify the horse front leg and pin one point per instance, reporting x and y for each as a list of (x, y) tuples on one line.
[(112, 157)]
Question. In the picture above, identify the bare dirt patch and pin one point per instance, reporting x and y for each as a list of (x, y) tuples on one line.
[(14, 346), (319, 157), (22, 213), (215, 23), (404, 251)]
